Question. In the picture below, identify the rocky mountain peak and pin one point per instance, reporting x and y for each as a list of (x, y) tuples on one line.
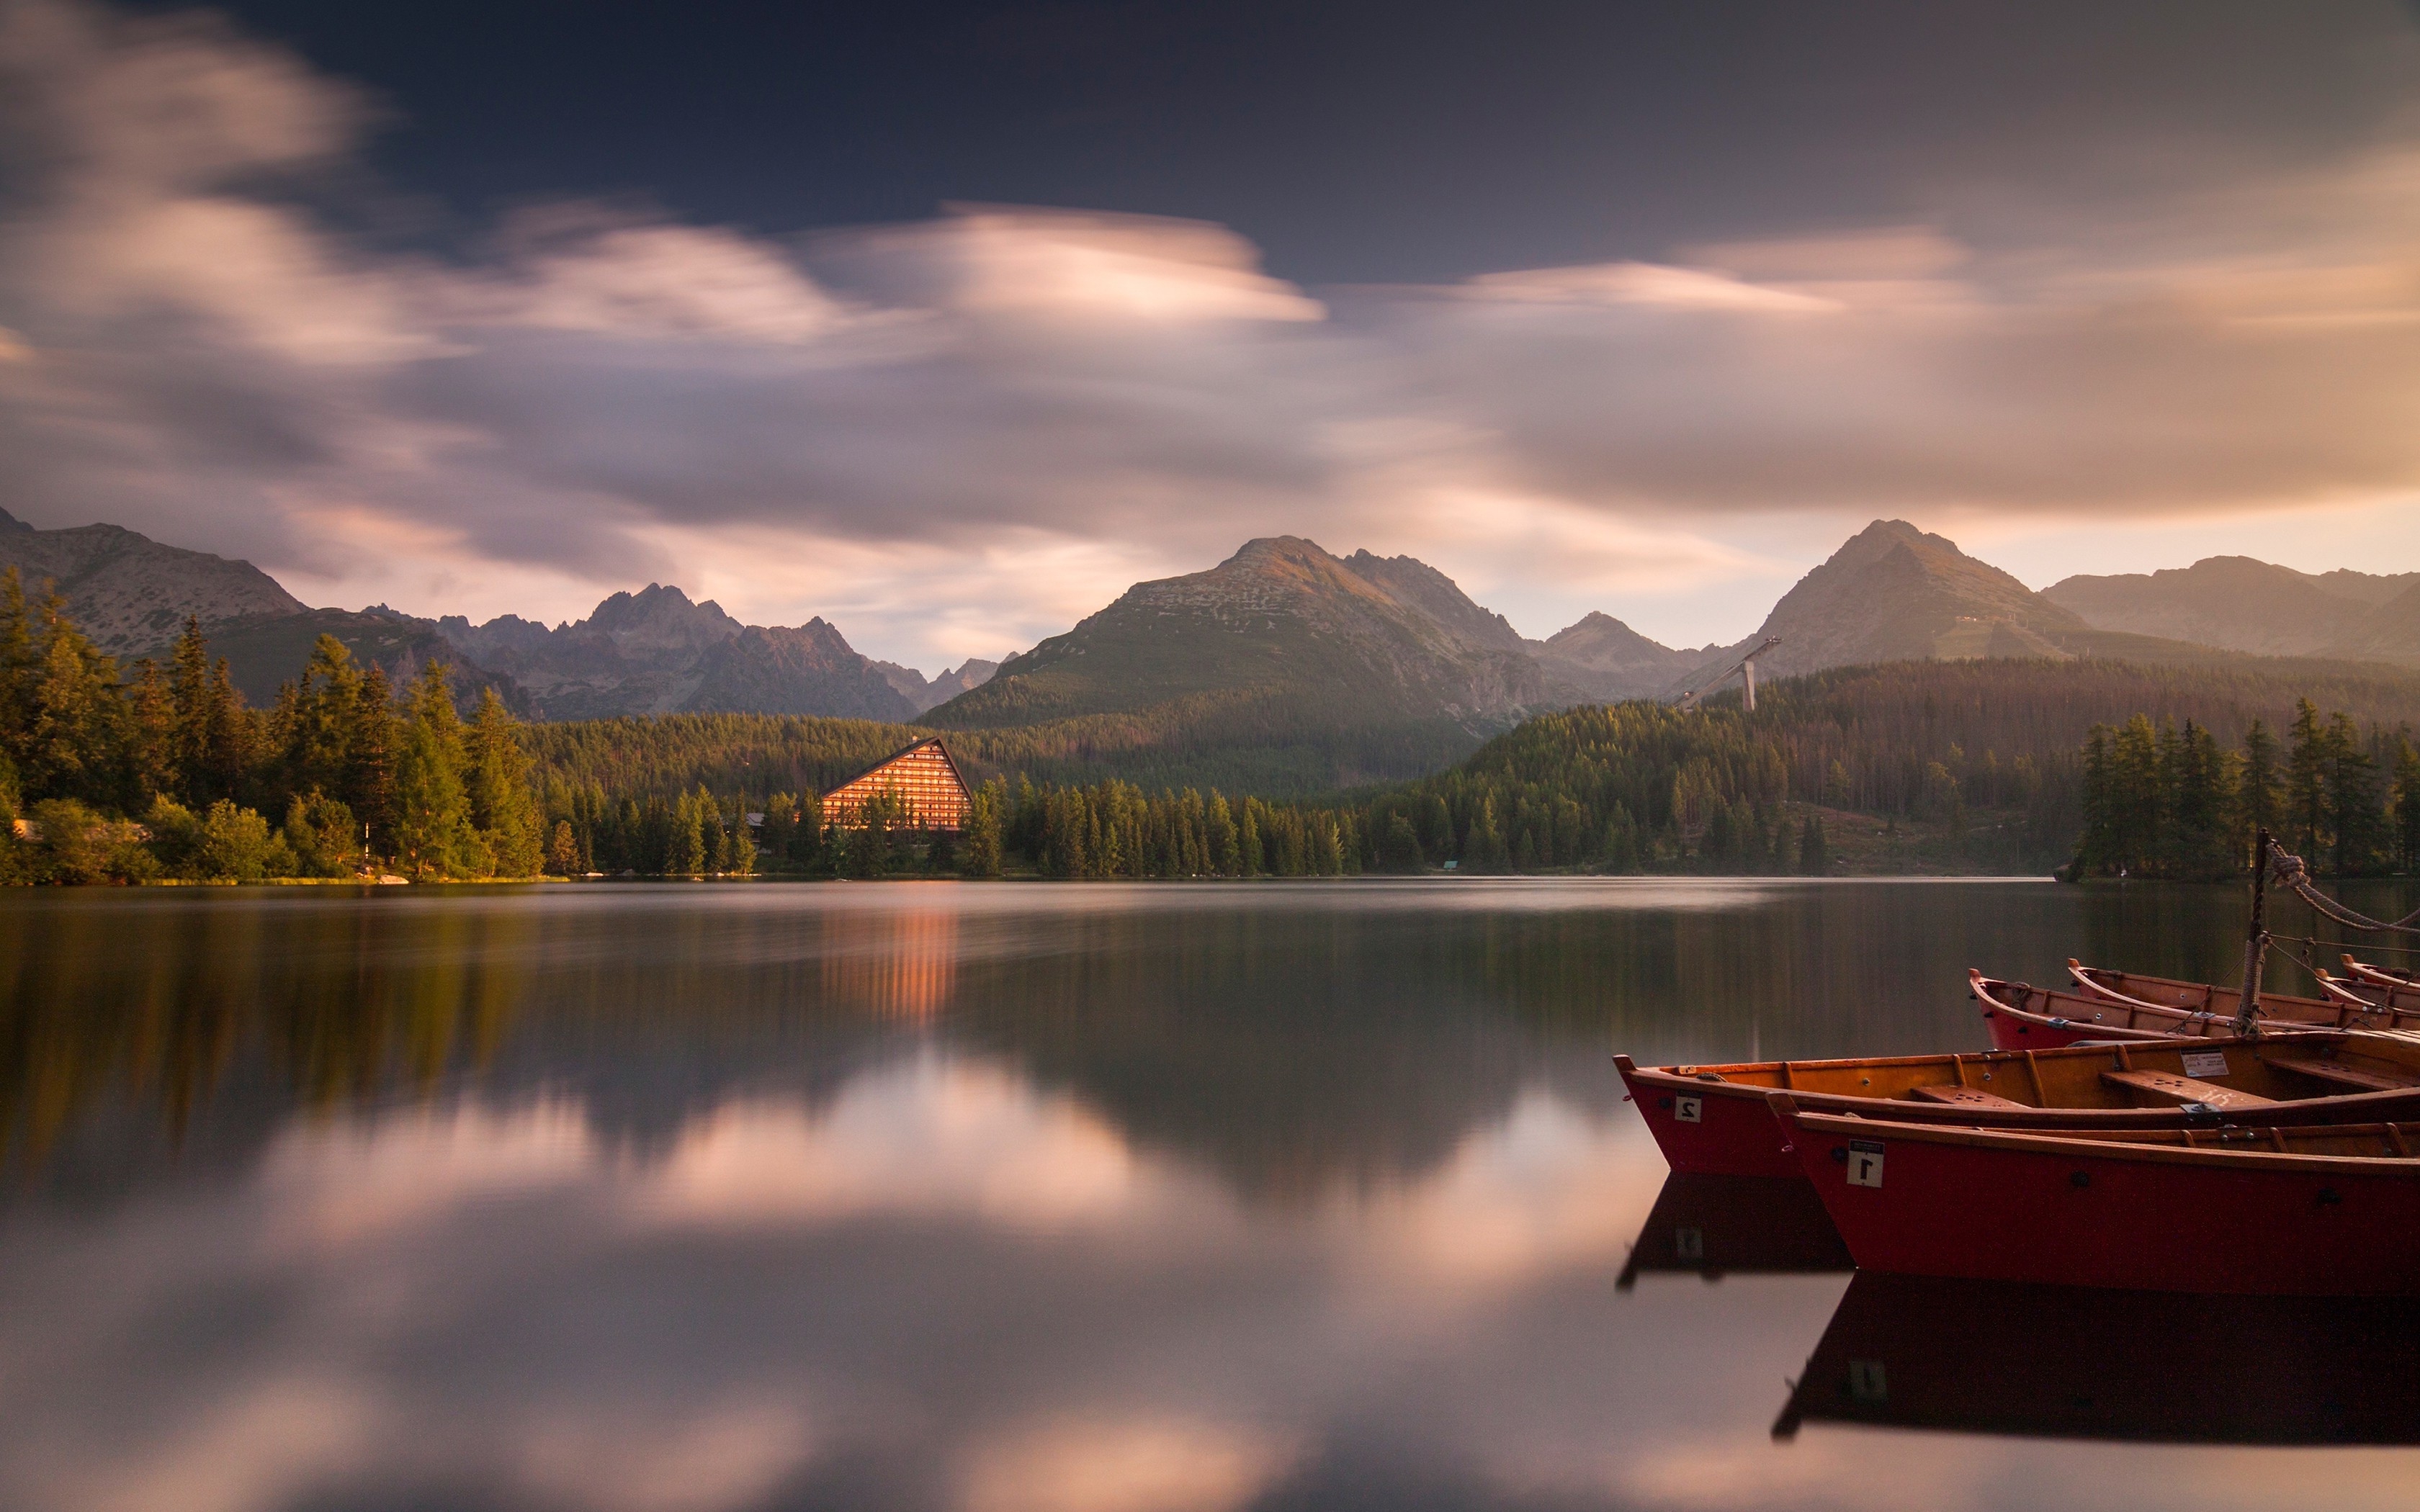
[(662, 616), (132, 594), (1895, 593)]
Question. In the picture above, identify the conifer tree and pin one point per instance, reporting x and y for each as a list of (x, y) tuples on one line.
[(19, 673), (502, 805), (2259, 790), (1483, 849), (2407, 805), (376, 732), (78, 747), (984, 828), (563, 851), (1814, 858), (2356, 817), (2306, 786), (433, 835)]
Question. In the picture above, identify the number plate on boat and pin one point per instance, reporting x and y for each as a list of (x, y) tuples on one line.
[(1864, 1162), (1867, 1382), (1689, 1109), (2205, 1063)]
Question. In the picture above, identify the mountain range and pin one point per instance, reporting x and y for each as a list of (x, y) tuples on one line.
[(655, 652), (1343, 641), (2244, 605)]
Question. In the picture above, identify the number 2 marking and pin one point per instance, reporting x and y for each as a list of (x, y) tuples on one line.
[(1689, 1110)]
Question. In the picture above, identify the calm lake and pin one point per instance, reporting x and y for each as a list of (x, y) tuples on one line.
[(1106, 1198)]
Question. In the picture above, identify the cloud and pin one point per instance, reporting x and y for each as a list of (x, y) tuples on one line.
[(876, 423)]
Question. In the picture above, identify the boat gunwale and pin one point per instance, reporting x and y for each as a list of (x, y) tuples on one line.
[(2079, 1145), (2286, 1112)]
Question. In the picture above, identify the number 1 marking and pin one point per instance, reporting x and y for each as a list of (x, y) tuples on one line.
[(1864, 1162)]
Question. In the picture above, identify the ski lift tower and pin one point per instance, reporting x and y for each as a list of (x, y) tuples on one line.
[(1745, 667)]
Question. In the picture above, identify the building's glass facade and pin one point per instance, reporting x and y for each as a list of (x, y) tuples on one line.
[(925, 779)]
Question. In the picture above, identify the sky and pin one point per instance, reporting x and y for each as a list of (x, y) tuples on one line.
[(947, 322)]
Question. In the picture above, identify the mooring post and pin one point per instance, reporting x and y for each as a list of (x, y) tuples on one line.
[(2255, 935)]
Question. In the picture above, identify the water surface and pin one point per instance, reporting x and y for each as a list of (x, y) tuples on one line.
[(994, 1197)]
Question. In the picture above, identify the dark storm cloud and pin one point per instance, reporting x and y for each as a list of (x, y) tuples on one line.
[(1025, 409)]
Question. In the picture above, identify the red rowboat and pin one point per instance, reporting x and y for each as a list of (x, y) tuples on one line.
[(1712, 1119), (1916, 1351), (1711, 1226), (2024, 1017), (2341, 1009), (2319, 1212)]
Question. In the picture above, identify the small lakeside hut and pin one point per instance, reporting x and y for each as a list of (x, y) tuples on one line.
[(926, 780)]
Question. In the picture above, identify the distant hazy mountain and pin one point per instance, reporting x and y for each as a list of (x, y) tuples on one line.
[(264, 651), (129, 593), (922, 695), (2390, 633), (1362, 639), (655, 652), (1602, 658), (1893, 592), (2245, 605)]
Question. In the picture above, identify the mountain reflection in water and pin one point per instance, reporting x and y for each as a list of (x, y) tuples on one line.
[(969, 1197)]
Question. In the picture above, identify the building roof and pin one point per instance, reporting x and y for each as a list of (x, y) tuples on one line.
[(908, 749)]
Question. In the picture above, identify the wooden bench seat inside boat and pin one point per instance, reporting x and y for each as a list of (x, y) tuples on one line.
[(1965, 1097), (2358, 1078), (2162, 1087)]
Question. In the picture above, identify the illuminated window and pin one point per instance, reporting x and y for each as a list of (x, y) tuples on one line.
[(925, 780)]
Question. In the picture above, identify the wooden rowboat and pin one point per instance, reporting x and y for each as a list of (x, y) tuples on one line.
[(1712, 1119), (2342, 1008), (2383, 985), (1935, 1353), (2330, 1211), (1710, 1227), (2382, 975), (2025, 1017), (2346, 1005)]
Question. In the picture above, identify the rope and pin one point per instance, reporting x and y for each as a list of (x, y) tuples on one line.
[(2295, 873), (2338, 945)]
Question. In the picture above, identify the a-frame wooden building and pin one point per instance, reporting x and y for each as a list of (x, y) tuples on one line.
[(924, 777)]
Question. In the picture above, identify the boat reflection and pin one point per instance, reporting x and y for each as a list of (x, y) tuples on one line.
[(1713, 1225), (2075, 1362)]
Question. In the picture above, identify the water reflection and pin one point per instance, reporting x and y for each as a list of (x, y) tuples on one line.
[(1977, 1357), (1714, 1226), (964, 1197)]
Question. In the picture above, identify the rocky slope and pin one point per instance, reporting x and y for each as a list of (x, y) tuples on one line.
[(130, 593), (922, 695), (1602, 658), (1893, 592), (1361, 640)]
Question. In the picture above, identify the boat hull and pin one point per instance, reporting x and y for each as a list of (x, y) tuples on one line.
[(2045, 1210), (2024, 1017), (1703, 1117), (1712, 1131)]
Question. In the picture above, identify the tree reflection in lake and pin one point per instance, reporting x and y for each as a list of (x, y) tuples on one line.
[(985, 1197)]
